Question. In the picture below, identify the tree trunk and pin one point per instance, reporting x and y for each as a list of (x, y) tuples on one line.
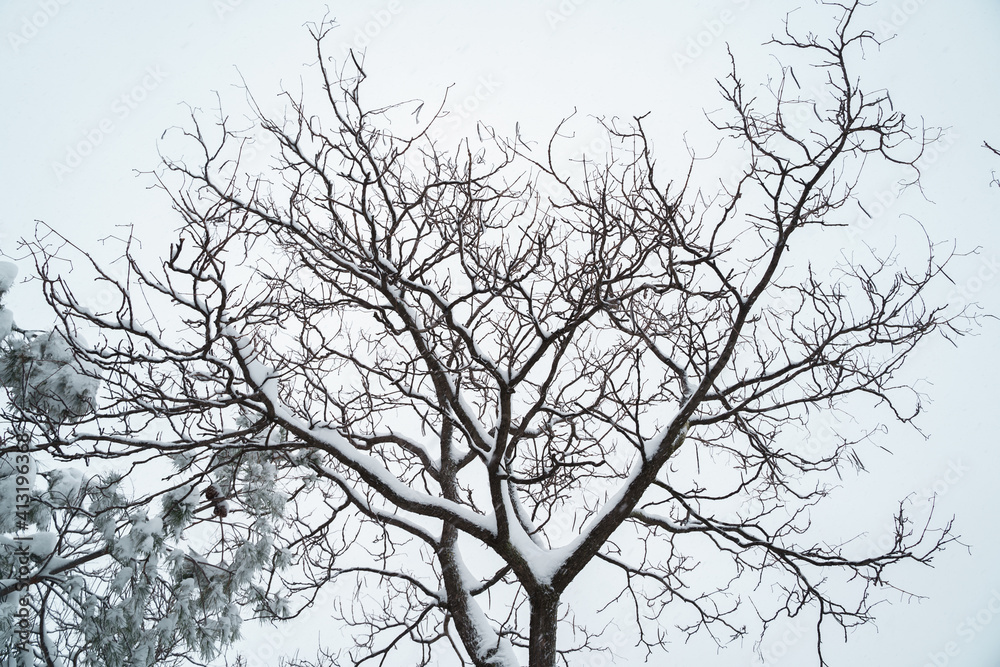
[(461, 603), (544, 619)]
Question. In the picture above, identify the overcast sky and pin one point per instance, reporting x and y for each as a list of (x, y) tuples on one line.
[(89, 87)]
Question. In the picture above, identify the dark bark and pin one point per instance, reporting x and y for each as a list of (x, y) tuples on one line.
[(559, 331), (544, 619), (460, 600), (458, 597)]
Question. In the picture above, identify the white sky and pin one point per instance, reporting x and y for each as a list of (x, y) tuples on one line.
[(106, 78)]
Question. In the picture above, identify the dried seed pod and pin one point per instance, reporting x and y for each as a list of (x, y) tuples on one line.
[(221, 509), (212, 492)]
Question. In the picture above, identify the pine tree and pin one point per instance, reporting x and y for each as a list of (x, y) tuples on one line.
[(88, 574)]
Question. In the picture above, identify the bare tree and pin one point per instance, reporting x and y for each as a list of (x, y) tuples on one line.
[(470, 377)]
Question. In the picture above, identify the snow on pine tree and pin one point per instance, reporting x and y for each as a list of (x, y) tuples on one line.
[(91, 572)]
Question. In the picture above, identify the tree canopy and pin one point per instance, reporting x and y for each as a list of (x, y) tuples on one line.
[(462, 379)]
